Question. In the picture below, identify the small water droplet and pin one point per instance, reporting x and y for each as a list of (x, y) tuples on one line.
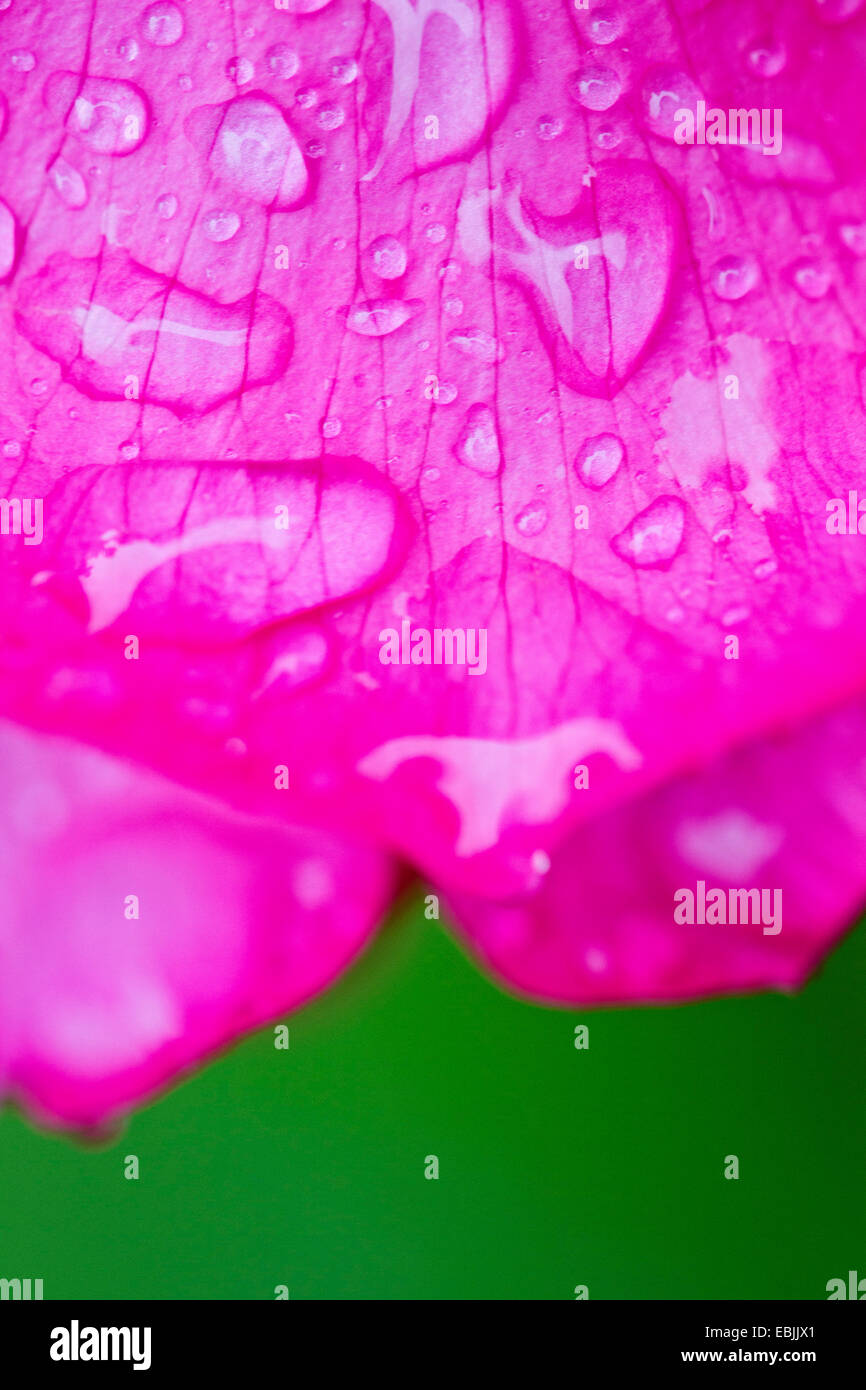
[(128, 50), (39, 386), (811, 278), (68, 183), (478, 344), (766, 57), (129, 450), (185, 82), (549, 127), (531, 519), (167, 206), (436, 232), (307, 98), (331, 427), (599, 459), (330, 117), (853, 235), (388, 257), (734, 276), (282, 60), (664, 92), (595, 88), (764, 569), (738, 614), (240, 71), (11, 449), (603, 24), (220, 225), (478, 442), (453, 306), (22, 59), (608, 138), (375, 318), (446, 393), (344, 70), (654, 536), (162, 24)]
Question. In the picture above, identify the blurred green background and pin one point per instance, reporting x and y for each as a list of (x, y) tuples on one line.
[(558, 1167)]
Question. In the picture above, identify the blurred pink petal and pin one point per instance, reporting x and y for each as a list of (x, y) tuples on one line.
[(144, 927)]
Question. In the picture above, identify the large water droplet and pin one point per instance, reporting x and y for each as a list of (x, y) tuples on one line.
[(654, 536), (603, 24), (108, 116), (374, 318), (599, 458), (162, 24), (388, 257), (734, 276), (478, 442), (665, 91), (250, 146), (594, 87), (68, 183), (532, 519), (220, 225)]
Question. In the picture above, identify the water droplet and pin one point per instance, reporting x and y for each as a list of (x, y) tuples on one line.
[(446, 393), (68, 183), (549, 127), (167, 206), (436, 233), (853, 235), (602, 25), (331, 427), (185, 82), (664, 92), (598, 459), (478, 442), (306, 97), (344, 70), (282, 61), (240, 71), (477, 343), (738, 614), (330, 117), (39, 386), (837, 11), (764, 569), (11, 449), (766, 57), (607, 138), (531, 519), (453, 306), (734, 276), (162, 24), (220, 226), (374, 318), (388, 257), (595, 88), (811, 278), (22, 59), (128, 50), (106, 115), (540, 862), (654, 536), (314, 149), (129, 450)]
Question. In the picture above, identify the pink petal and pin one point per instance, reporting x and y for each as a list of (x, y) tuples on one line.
[(234, 923)]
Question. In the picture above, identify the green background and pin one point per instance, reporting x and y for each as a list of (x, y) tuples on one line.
[(558, 1167)]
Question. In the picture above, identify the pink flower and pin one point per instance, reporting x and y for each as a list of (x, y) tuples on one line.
[(430, 436)]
